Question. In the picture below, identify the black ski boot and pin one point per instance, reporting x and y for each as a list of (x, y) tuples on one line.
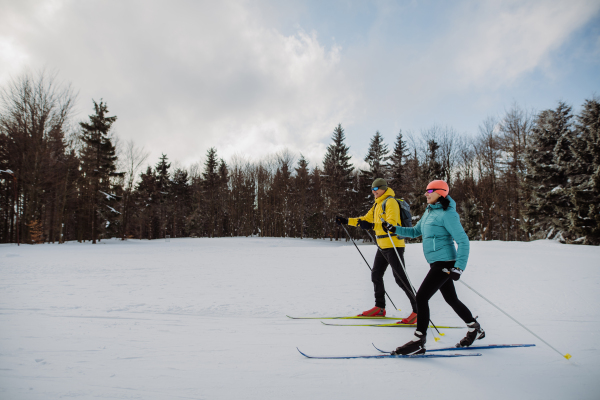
[(475, 333), (415, 346)]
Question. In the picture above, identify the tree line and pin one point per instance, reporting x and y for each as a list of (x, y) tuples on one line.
[(525, 175)]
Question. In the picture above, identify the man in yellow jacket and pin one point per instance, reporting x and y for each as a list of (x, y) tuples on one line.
[(386, 255)]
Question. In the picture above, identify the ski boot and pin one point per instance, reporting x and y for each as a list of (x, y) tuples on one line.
[(373, 312), (475, 333), (415, 346), (410, 320)]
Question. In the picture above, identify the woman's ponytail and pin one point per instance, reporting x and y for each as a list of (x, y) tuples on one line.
[(444, 202)]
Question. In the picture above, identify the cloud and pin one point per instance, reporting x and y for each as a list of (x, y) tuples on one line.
[(499, 43), (457, 62), (186, 76)]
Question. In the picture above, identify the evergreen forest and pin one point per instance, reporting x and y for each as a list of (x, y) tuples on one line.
[(523, 176)]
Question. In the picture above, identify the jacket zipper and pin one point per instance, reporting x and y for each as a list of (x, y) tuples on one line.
[(434, 243)]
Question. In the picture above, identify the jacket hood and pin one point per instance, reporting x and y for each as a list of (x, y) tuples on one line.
[(388, 193)]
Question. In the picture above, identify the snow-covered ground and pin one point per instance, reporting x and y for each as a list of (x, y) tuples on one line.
[(206, 319)]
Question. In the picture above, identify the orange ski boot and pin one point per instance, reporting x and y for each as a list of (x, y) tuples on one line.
[(410, 320), (373, 312)]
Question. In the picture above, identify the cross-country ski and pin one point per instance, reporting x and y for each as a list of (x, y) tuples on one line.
[(393, 325), (486, 347), (347, 317), (386, 356)]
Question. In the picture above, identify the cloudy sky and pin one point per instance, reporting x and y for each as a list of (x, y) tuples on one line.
[(254, 77)]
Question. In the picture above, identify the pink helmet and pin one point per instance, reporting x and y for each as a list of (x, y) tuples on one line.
[(439, 187)]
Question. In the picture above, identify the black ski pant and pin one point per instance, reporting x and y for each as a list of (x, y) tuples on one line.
[(383, 258), (436, 280)]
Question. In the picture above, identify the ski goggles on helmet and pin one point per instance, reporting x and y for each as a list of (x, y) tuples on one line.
[(375, 188), (433, 190)]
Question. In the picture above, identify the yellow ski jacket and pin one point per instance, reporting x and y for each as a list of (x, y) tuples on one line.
[(392, 215)]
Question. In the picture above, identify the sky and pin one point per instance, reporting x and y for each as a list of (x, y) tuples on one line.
[(253, 78)]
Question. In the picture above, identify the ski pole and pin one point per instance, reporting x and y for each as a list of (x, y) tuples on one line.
[(363, 257), (414, 292), (567, 356), (402, 264)]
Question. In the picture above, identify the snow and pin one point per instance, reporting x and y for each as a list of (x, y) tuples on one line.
[(113, 210), (205, 319), (108, 195)]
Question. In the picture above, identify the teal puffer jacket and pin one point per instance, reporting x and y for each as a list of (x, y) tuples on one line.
[(440, 229)]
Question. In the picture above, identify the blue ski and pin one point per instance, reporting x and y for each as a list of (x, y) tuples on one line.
[(391, 356), (489, 346)]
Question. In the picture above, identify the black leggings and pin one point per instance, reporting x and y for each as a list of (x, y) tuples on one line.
[(383, 258), (436, 280)]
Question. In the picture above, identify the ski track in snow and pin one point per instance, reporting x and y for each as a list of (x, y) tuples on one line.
[(205, 319)]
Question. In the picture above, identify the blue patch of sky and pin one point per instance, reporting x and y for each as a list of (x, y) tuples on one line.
[(390, 32)]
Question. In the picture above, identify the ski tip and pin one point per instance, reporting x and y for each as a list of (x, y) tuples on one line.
[(567, 356), (377, 348), (302, 353)]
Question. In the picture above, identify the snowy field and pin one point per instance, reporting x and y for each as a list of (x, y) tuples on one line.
[(206, 319)]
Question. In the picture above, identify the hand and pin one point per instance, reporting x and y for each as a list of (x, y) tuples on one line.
[(387, 227), (455, 273), (365, 225), (341, 220)]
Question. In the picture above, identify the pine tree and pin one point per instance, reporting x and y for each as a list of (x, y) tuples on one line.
[(433, 167), (210, 174), (211, 183), (146, 204), (163, 184), (180, 190), (99, 165), (399, 176), (301, 187), (337, 171), (547, 158), (242, 185), (162, 173), (377, 158), (279, 195), (223, 200), (584, 172)]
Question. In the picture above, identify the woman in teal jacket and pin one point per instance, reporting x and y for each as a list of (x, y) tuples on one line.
[(440, 227)]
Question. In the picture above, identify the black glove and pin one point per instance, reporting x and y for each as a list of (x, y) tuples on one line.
[(365, 225), (341, 220), (455, 273), (387, 227)]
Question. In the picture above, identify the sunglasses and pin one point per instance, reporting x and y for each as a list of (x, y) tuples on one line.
[(433, 190)]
